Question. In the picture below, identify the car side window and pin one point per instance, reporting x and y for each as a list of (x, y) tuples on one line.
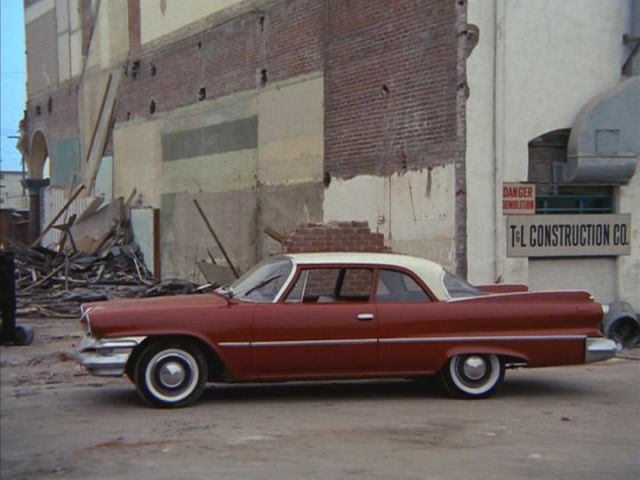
[(396, 286), (327, 285)]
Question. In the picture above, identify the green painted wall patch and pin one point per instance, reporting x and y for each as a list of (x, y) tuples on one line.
[(213, 139)]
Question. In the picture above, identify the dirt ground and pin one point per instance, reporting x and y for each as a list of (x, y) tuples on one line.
[(578, 422)]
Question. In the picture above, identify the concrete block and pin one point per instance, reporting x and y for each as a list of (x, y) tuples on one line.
[(185, 238), (144, 225), (291, 132), (137, 153)]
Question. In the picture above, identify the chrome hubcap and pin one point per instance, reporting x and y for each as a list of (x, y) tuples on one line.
[(172, 374), (474, 367)]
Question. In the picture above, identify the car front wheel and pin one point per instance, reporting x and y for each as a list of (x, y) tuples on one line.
[(170, 374), (472, 375)]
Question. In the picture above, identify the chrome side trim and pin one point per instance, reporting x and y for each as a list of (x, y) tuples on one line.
[(597, 349), (507, 294), (234, 344), (301, 343), (370, 341), (482, 338)]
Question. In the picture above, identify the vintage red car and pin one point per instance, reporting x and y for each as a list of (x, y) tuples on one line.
[(338, 316)]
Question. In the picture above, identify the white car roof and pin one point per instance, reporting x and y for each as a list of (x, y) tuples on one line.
[(430, 272)]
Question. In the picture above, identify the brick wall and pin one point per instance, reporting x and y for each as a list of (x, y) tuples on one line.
[(55, 113), (391, 82), (394, 83), (390, 76), (284, 41), (335, 237)]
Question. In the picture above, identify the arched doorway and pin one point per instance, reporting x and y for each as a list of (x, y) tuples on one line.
[(38, 156)]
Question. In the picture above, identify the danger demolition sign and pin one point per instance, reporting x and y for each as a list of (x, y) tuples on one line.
[(518, 199)]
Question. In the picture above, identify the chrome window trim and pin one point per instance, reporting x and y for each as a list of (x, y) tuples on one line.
[(286, 283)]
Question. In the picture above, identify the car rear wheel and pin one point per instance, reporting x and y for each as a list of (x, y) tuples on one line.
[(472, 375), (170, 374)]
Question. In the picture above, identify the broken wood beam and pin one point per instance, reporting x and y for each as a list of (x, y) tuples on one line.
[(51, 274), (215, 237), (64, 208), (277, 236)]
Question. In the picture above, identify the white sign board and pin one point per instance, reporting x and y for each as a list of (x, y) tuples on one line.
[(568, 235), (518, 199)]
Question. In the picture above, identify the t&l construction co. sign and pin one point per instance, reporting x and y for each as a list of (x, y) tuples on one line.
[(568, 235)]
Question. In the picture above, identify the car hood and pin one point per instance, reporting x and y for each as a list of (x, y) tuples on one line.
[(132, 317), (155, 303)]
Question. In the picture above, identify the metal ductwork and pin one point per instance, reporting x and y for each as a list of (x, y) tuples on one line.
[(604, 145)]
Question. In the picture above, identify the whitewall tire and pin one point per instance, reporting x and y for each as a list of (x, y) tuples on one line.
[(472, 375), (170, 374)]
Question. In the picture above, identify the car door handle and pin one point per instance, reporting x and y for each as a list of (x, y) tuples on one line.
[(365, 316)]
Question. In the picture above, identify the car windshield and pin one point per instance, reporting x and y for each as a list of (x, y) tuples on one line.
[(263, 282), (459, 288)]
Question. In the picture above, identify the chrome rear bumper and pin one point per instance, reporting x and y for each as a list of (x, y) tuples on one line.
[(597, 349), (106, 357)]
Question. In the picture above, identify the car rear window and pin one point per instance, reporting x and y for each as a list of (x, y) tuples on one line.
[(398, 287), (459, 288)]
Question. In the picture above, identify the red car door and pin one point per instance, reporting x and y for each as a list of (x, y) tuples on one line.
[(325, 325), (407, 319)]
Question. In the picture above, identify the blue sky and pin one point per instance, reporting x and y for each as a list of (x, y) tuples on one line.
[(12, 80)]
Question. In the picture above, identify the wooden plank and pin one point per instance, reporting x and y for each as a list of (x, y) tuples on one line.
[(91, 208), (278, 237), (73, 196)]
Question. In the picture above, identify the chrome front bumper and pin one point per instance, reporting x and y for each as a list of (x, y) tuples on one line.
[(597, 349), (106, 357)]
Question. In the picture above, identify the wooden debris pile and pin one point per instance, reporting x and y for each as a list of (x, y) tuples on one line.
[(94, 258)]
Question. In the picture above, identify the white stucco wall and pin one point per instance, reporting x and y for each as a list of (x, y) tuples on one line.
[(415, 210), (535, 67)]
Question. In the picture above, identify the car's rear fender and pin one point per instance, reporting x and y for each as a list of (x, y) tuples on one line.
[(509, 356)]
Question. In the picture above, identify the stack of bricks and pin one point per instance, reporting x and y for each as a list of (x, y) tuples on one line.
[(335, 237)]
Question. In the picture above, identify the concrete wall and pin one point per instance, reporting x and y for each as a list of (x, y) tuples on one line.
[(110, 40), (143, 225), (628, 278), (535, 66), (104, 179), (69, 38), (597, 275), (252, 160), (415, 210), (42, 47), (159, 18), (277, 113), (137, 161), (291, 132)]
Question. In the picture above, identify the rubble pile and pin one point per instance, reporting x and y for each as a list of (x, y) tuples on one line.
[(94, 258), (51, 283), (54, 284)]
